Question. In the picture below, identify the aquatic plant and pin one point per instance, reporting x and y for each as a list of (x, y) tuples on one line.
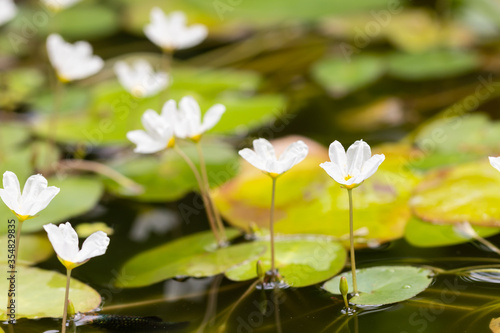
[(64, 239)]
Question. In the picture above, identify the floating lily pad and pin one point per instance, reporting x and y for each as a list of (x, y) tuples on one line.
[(84, 21), (465, 193), (33, 249), (40, 293), (449, 141), (425, 234), (194, 255), (341, 76), (309, 201), (384, 284), (114, 111), (12, 135), (432, 65), (301, 261), (78, 195), (169, 177)]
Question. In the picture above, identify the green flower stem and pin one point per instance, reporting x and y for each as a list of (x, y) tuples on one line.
[(214, 209), (66, 300), (271, 229), (16, 251), (202, 192), (351, 241)]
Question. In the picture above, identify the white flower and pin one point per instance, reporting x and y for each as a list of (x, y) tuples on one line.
[(264, 157), (72, 61), (170, 32), (187, 120), (140, 79), (35, 197), (64, 240), (495, 162), (58, 5), (351, 169), (8, 11), (159, 133)]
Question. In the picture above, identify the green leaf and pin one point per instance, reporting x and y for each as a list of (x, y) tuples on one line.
[(308, 201), (449, 141), (466, 193), (84, 21), (341, 76), (424, 234), (301, 262), (11, 136), (194, 255), (32, 250), (78, 195), (114, 112), (384, 284), (432, 65), (18, 85), (40, 293), (169, 177)]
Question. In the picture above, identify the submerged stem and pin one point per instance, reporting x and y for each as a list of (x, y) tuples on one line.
[(66, 300), (13, 268), (271, 230), (351, 241), (213, 209), (202, 192)]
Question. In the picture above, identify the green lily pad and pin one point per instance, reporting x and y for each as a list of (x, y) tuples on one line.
[(340, 76), (424, 234), (432, 65), (384, 284), (308, 201), (169, 177), (443, 144), (18, 85), (301, 262), (40, 293), (33, 249), (84, 21), (78, 195), (193, 255), (114, 112), (465, 193), (11, 136)]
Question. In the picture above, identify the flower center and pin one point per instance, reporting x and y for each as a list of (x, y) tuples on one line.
[(347, 177)]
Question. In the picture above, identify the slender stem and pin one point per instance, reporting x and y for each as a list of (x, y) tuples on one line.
[(271, 230), (488, 244), (66, 300), (216, 214), (13, 269), (202, 192), (351, 241), (277, 310)]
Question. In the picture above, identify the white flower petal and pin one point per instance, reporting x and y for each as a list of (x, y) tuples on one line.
[(333, 170), (12, 189), (190, 113), (95, 245), (212, 117), (8, 11), (64, 240), (43, 200), (31, 191), (145, 143), (192, 36), (338, 156), (494, 161), (264, 149), (357, 154), (371, 166), (296, 152), (251, 157)]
